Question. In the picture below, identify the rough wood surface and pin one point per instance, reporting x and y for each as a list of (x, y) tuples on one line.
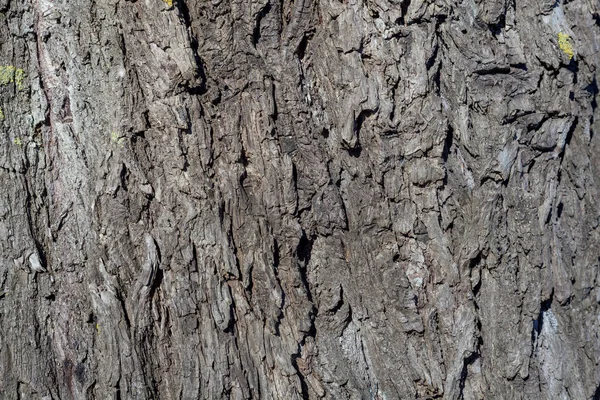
[(287, 199)]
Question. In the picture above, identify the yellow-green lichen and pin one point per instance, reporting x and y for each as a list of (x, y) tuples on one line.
[(564, 43), (7, 74), (10, 74), (98, 328), (1, 114), (169, 2), (19, 77), (18, 141), (114, 137)]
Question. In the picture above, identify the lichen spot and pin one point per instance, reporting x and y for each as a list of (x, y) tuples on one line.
[(10, 74), (19, 78), (169, 2), (114, 137), (1, 114), (564, 43), (7, 74), (18, 141)]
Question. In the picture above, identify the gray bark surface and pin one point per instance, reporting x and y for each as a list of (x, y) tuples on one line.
[(287, 199)]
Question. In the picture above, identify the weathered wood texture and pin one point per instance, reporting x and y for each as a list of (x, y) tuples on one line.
[(286, 199)]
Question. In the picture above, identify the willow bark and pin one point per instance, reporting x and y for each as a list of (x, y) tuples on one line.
[(286, 199)]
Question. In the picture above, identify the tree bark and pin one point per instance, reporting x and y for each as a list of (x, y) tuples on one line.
[(287, 199)]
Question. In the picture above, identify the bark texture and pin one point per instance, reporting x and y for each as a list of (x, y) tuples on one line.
[(287, 199)]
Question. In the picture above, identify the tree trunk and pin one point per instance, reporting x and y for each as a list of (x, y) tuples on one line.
[(288, 199)]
